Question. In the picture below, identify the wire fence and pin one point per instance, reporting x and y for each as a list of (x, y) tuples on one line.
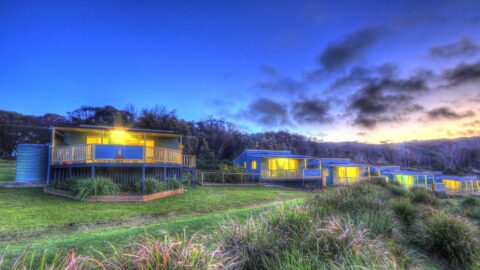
[(220, 177)]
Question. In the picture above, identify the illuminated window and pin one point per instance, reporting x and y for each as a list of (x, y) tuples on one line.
[(245, 164), (96, 140), (254, 164), (282, 164), (452, 185)]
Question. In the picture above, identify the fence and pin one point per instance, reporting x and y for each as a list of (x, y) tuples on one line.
[(7, 170), (220, 177)]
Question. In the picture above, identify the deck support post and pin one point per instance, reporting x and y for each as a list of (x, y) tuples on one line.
[(143, 178), (92, 171), (165, 173)]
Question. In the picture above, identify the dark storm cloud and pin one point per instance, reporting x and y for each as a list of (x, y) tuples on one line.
[(349, 49), (463, 47), (382, 97), (277, 82), (448, 113), (286, 85), (266, 112), (463, 73), (311, 111)]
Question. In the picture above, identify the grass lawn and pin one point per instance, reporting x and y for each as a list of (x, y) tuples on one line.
[(32, 218), (7, 170)]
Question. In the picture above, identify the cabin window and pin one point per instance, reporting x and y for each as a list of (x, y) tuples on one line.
[(282, 164), (451, 184), (245, 164), (254, 164), (96, 140)]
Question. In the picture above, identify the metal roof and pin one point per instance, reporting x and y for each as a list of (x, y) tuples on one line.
[(87, 127), (405, 172)]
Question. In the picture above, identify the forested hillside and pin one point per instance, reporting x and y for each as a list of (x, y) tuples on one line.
[(215, 141)]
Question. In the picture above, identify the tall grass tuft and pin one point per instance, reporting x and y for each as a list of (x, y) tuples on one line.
[(379, 180), (256, 242), (397, 190), (470, 201), (451, 237), (153, 185), (96, 186), (422, 195), (404, 209)]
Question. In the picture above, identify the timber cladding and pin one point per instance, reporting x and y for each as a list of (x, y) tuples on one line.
[(117, 198)]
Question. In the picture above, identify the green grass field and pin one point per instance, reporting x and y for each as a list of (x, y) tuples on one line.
[(33, 219), (7, 170)]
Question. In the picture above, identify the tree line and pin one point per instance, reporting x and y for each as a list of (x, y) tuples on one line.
[(216, 141)]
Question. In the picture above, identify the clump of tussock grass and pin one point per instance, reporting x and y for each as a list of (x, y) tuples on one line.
[(352, 198), (397, 190), (470, 201), (404, 209), (84, 188), (421, 195), (167, 253), (339, 241), (257, 241), (149, 253), (451, 237), (363, 203), (379, 180)]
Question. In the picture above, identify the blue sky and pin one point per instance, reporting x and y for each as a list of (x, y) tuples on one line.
[(256, 63)]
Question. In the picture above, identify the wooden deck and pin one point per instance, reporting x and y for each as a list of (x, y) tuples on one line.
[(119, 154)]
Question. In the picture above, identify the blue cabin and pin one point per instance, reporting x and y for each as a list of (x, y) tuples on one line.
[(468, 184), (275, 166), (431, 180), (340, 171)]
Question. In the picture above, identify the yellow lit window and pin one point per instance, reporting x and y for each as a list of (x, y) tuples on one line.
[(245, 164), (254, 164), (452, 185), (282, 164), (96, 140)]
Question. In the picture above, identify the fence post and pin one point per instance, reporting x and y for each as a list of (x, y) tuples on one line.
[(223, 178)]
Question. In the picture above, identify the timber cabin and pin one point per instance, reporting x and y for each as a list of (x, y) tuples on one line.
[(286, 168), (122, 154)]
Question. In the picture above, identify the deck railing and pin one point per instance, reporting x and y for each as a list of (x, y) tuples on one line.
[(87, 153), (343, 181), (282, 174)]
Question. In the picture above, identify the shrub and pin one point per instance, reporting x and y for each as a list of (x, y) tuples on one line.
[(153, 185), (96, 186), (421, 195), (397, 190), (172, 184), (453, 238), (404, 209), (379, 180), (67, 185)]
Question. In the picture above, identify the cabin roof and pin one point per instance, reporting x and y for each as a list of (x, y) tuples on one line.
[(83, 128), (459, 178), (351, 165), (272, 154), (406, 172)]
